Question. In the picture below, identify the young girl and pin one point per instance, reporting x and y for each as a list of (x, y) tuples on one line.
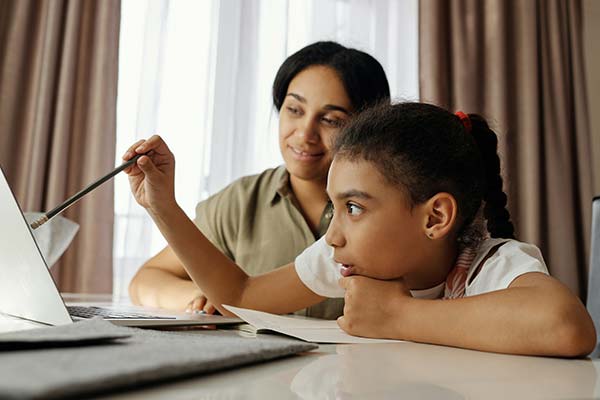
[(419, 217)]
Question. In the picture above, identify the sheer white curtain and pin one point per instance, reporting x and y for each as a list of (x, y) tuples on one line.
[(199, 73)]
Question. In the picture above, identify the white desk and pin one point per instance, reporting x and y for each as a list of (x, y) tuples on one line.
[(398, 370)]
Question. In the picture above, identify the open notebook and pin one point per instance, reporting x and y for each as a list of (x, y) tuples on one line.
[(308, 329)]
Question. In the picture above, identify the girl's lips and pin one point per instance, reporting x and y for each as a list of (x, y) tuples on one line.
[(346, 270)]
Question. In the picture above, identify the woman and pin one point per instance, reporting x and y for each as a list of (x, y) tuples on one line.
[(264, 221)]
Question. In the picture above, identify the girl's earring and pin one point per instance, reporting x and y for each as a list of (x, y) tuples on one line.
[(430, 235)]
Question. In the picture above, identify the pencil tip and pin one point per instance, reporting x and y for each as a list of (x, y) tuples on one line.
[(39, 222)]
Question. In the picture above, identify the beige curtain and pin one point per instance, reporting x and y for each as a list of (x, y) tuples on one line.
[(520, 63), (58, 83)]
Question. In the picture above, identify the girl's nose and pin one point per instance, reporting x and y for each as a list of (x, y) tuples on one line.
[(334, 236)]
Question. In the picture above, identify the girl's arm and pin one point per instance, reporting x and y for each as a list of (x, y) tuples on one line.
[(220, 279), (536, 315)]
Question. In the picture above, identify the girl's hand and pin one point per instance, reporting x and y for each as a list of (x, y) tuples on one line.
[(200, 304), (152, 178), (373, 307)]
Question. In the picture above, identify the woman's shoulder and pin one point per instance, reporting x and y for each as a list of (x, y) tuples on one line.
[(240, 202), (263, 184), (270, 178)]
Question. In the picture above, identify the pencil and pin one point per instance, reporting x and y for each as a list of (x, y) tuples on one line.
[(57, 210)]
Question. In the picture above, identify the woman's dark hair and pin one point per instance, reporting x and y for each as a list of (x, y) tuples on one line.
[(426, 150), (362, 75)]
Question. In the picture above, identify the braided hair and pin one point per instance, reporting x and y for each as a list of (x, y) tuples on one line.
[(495, 211)]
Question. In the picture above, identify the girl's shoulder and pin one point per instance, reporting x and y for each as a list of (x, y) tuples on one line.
[(499, 261)]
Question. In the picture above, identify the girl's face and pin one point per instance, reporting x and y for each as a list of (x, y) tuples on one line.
[(374, 232), (314, 109)]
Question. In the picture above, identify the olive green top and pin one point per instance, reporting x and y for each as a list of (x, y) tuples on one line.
[(255, 221)]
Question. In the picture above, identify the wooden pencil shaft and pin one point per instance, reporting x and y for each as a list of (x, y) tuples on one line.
[(90, 187)]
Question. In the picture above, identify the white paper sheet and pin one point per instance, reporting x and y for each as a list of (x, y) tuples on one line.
[(309, 329), (53, 237)]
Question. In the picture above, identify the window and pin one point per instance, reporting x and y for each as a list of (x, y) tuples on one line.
[(199, 73)]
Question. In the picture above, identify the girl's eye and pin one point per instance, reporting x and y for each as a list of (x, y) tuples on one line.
[(354, 209)]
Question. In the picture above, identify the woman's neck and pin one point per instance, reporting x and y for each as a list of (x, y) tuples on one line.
[(312, 198)]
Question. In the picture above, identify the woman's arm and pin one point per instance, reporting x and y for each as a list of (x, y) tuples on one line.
[(163, 282), (536, 315)]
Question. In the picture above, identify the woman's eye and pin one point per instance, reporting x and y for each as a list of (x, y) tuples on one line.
[(353, 209), (293, 110)]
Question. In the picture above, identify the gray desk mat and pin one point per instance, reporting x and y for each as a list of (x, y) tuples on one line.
[(145, 357), (84, 334)]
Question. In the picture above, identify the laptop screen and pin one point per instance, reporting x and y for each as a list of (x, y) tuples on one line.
[(27, 289)]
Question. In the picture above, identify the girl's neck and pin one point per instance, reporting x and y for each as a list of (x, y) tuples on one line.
[(311, 197), (436, 266)]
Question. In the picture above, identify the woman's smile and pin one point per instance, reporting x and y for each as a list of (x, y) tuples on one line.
[(302, 155)]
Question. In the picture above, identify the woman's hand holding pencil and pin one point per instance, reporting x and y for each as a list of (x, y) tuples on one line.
[(152, 178)]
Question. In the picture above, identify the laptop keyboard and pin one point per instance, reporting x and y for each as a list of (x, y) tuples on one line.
[(90, 312)]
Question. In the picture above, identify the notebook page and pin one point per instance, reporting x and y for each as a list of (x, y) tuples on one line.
[(309, 329)]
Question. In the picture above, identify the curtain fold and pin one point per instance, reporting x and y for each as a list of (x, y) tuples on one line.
[(58, 80), (520, 64)]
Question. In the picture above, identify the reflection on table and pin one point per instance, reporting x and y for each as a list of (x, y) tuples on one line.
[(435, 372)]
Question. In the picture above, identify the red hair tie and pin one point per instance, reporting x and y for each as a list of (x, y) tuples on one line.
[(465, 120)]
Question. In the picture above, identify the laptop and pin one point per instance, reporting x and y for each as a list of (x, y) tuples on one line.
[(593, 298), (28, 291)]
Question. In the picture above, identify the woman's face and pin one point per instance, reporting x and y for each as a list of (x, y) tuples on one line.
[(315, 107)]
